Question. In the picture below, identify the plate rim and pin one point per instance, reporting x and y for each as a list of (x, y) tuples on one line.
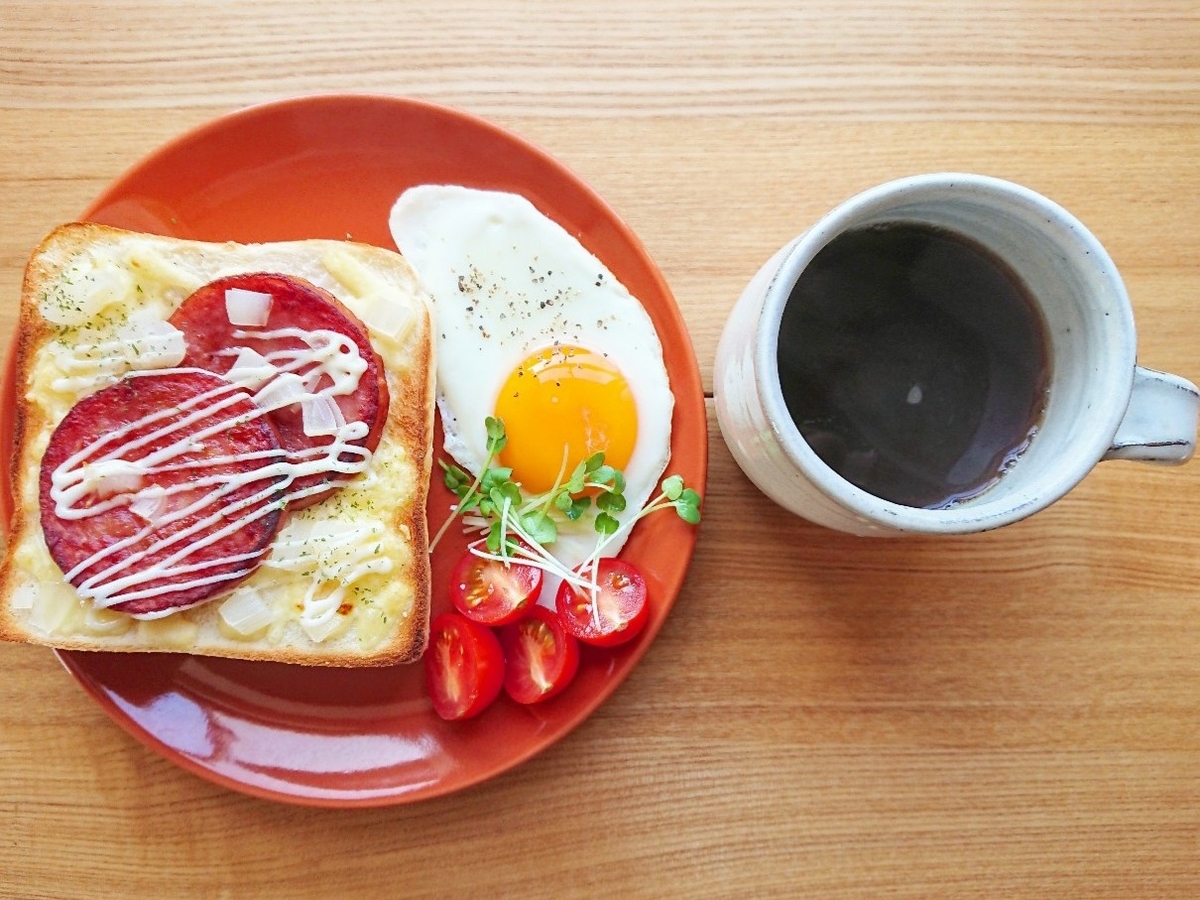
[(72, 660)]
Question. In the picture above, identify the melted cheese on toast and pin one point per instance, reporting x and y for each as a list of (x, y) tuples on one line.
[(346, 580)]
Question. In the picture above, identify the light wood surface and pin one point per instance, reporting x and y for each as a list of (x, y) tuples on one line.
[(1010, 714)]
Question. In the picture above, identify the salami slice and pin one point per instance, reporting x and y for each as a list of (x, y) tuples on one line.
[(161, 491), (298, 320)]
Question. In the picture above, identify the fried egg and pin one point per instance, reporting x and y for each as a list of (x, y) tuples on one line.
[(531, 328)]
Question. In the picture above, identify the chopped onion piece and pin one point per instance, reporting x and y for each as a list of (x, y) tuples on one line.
[(283, 391), (321, 627), (251, 369), (247, 307), (86, 286), (98, 620), (246, 611), (52, 606), (290, 549), (155, 344), (386, 315), (149, 504), (321, 416), (23, 596), (342, 545), (380, 306), (298, 530), (346, 531), (335, 529), (108, 477)]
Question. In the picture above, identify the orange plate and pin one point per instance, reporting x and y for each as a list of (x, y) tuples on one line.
[(331, 167)]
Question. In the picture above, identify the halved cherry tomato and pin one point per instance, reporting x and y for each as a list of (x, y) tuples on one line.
[(619, 611), (464, 666), (492, 592), (541, 658)]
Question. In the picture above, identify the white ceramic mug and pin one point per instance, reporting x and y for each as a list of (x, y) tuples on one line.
[(1099, 405)]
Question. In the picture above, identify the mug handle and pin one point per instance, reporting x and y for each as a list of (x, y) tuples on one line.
[(1160, 421)]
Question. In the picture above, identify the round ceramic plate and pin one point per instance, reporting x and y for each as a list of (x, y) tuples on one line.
[(331, 167)]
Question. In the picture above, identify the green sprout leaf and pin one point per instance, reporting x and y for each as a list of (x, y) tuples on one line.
[(577, 481), (606, 524), (672, 487), (540, 527), (455, 479), (611, 503), (494, 478), (495, 537), (604, 475), (579, 506), (496, 438), (510, 515), (506, 490)]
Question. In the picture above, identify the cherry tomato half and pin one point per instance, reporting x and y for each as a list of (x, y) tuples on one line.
[(492, 592), (541, 658), (619, 611), (464, 666)]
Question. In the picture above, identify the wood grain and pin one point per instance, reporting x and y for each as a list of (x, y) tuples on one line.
[(1009, 714)]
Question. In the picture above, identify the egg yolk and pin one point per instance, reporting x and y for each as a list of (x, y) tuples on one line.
[(568, 397)]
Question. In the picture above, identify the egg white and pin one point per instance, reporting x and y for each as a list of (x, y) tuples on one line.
[(507, 281)]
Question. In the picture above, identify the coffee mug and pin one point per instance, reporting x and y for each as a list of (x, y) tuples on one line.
[(941, 354)]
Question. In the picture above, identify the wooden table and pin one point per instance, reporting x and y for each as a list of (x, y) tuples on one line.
[(1010, 714)]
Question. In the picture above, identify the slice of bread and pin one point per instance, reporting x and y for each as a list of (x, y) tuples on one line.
[(88, 295)]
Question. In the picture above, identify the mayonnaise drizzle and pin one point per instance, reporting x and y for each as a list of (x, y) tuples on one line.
[(141, 344), (329, 353), (340, 557), (328, 365)]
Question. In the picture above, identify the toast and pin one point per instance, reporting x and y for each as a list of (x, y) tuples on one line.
[(346, 579)]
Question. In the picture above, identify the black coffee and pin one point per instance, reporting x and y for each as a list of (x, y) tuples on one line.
[(914, 362)]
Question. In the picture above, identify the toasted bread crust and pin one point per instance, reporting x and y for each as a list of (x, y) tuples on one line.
[(405, 446)]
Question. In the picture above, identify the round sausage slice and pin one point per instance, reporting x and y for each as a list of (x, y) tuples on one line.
[(161, 491), (296, 316)]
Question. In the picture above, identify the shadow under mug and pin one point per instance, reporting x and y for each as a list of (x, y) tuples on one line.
[(1099, 405)]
